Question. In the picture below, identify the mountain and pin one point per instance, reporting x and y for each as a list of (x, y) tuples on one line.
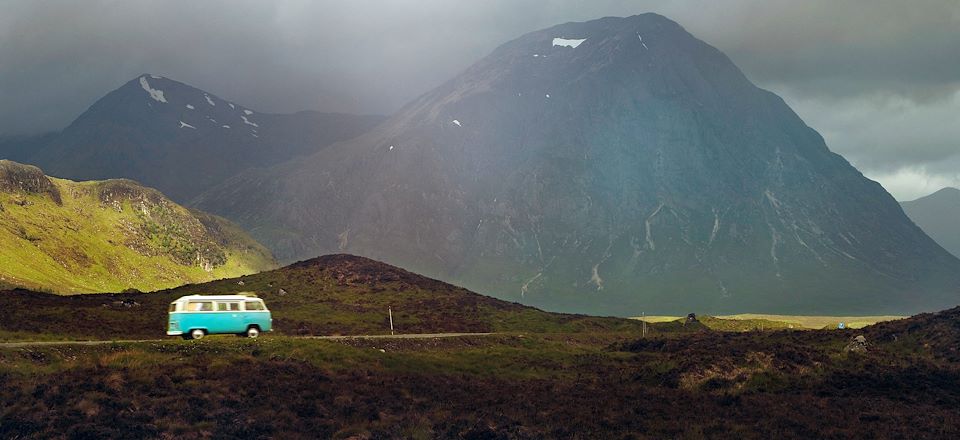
[(111, 235), (615, 166), (177, 138), (937, 214), (333, 294)]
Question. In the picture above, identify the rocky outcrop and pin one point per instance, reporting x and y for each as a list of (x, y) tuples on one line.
[(20, 178)]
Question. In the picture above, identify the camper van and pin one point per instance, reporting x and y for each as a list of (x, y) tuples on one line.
[(196, 316)]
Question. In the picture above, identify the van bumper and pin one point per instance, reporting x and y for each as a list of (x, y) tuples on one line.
[(174, 332)]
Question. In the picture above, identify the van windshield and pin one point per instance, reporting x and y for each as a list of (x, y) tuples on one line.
[(173, 307)]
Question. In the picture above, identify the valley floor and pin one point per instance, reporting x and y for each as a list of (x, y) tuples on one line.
[(782, 384)]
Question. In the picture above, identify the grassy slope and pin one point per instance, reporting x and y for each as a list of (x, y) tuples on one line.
[(85, 245), (696, 385), (336, 294)]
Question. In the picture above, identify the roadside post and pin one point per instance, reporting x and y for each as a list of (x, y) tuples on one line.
[(390, 311)]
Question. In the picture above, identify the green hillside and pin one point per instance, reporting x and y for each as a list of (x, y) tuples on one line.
[(329, 295), (103, 236)]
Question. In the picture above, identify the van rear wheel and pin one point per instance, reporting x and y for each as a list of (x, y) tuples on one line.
[(197, 334), (253, 332)]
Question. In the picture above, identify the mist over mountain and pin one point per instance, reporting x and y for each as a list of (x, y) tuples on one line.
[(938, 214), (177, 138), (613, 166)]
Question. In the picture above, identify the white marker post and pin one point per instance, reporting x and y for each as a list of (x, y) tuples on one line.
[(390, 311)]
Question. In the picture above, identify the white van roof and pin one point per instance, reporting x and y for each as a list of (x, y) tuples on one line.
[(241, 297)]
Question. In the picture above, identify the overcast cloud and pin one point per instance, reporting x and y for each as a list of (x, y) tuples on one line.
[(879, 79)]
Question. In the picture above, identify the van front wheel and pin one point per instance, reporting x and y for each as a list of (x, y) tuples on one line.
[(197, 334), (253, 332)]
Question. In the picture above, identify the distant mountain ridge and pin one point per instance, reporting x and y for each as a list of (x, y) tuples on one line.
[(177, 138), (102, 236), (938, 214), (613, 166)]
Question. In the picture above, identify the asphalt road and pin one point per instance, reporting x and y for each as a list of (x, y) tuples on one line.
[(22, 344)]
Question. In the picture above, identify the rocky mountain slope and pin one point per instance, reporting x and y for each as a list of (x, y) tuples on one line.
[(177, 138), (613, 166), (938, 214), (98, 236)]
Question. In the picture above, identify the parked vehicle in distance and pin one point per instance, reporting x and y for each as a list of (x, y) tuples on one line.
[(196, 316)]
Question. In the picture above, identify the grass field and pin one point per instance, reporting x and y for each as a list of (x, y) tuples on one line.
[(752, 321), (818, 321), (541, 375), (684, 385)]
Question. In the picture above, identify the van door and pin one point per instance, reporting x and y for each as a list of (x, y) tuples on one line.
[(230, 319)]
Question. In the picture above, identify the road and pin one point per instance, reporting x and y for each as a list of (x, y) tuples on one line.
[(23, 344)]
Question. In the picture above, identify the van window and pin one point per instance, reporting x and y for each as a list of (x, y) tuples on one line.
[(205, 306), (254, 305), (173, 307), (228, 307)]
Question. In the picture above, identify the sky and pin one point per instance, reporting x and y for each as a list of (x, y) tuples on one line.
[(879, 79)]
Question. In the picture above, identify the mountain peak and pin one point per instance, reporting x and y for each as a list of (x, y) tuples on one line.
[(180, 139), (613, 166), (948, 193), (157, 89)]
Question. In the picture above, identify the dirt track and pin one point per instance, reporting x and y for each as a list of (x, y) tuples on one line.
[(20, 344)]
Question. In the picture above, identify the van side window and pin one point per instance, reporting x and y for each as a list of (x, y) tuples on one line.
[(228, 306), (205, 306), (173, 307), (254, 305)]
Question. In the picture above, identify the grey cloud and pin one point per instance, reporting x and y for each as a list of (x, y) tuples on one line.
[(842, 48), (876, 77)]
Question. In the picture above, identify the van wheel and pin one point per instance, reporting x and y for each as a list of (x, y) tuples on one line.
[(253, 332), (197, 334)]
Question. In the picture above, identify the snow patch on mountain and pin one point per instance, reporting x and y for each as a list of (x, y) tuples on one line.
[(457, 123), (157, 95), (247, 121), (189, 106), (248, 112), (209, 101), (564, 42), (595, 276), (186, 125)]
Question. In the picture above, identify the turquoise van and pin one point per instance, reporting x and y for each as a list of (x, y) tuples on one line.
[(195, 316)]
